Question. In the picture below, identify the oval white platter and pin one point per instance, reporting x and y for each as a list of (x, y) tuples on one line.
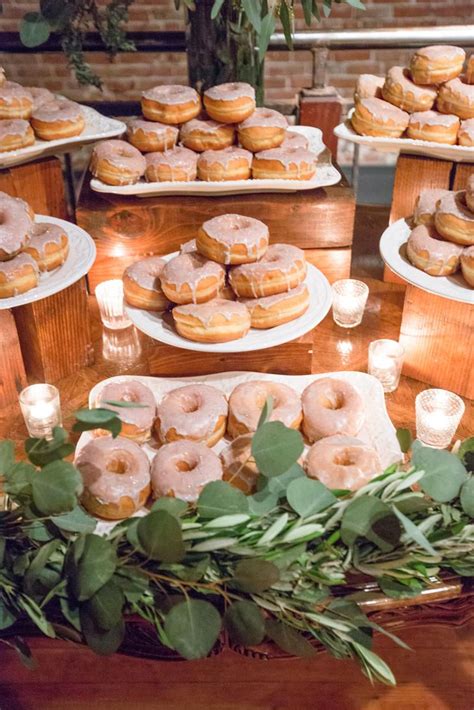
[(456, 153), (97, 127), (326, 174), (81, 256), (393, 251), (161, 328)]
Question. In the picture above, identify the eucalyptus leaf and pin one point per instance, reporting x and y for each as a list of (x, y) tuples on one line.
[(465, 453), (286, 23), (467, 497), (444, 472), (122, 404), (34, 29), (43, 451), (307, 11), (266, 412), (36, 615), (77, 520), (104, 643), (288, 639), (356, 3), (405, 439), (173, 506), (105, 606), (267, 28), (376, 664), (308, 497), (56, 488), (90, 564), (24, 653), (252, 10), (368, 517), (90, 419), (161, 537), (262, 502), (244, 623), (7, 617), (38, 562), (395, 589), (414, 532), (19, 479), (278, 484), (220, 498), (255, 575), (70, 611), (276, 448), (7, 456), (192, 627), (216, 8)]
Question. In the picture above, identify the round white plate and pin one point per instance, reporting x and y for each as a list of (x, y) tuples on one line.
[(326, 174), (393, 251), (457, 153), (80, 259), (320, 299)]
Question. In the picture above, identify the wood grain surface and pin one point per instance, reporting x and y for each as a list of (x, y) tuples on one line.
[(12, 368), (322, 110)]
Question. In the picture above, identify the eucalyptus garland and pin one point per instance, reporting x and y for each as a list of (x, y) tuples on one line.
[(264, 566)]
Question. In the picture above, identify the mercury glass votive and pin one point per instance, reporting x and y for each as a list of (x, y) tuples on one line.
[(438, 413), (41, 409), (385, 362), (109, 296), (349, 299)]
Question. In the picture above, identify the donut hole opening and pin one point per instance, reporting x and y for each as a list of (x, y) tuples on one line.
[(2, 217), (334, 401), (116, 465), (184, 466), (129, 396), (191, 404), (344, 458)]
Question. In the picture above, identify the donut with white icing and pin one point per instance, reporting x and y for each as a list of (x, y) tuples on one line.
[(15, 133), (116, 162), (15, 225), (436, 64), (283, 267), (270, 311), (18, 275), (374, 117), (231, 102), (221, 165), (425, 205), (293, 139), (171, 104), (233, 239), (40, 95), (216, 321), (263, 130), (368, 86), (176, 165), (401, 91), (467, 265), (15, 101), (191, 278), (59, 118), (428, 252), (142, 284), (342, 462), (284, 164), (331, 406), (48, 244), (137, 421), (248, 399), (454, 220), (206, 134), (456, 96), (197, 412), (433, 126), (151, 136), (466, 133), (182, 468)]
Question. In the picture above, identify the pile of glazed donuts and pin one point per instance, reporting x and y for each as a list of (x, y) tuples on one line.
[(443, 238), (262, 286), (26, 248), (207, 149), (27, 113), (181, 429), (430, 100)]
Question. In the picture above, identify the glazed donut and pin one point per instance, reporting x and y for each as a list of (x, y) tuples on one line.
[(425, 205), (57, 119), (284, 163), (271, 311), (399, 90), (282, 268), (247, 400), (171, 104), (342, 462), (176, 165), (48, 245), (200, 135), (293, 139), (197, 412), (368, 86), (373, 117), (331, 406), (182, 469), (428, 252), (18, 275), (233, 239), (436, 64), (2, 76), (228, 164), (470, 192), (467, 265), (470, 70), (456, 97), (263, 130), (188, 247), (216, 321), (433, 126), (466, 133), (151, 136), (137, 421), (40, 96), (15, 101), (116, 162), (454, 220), (142, 285), (15, 225), (190, 278), (230, 103), (238, 464), (15, 133), (116, 477), (6, 200)]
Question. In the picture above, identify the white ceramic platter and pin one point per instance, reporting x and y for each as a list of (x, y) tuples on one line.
[(393, 251), (80, 259), (326, 174)]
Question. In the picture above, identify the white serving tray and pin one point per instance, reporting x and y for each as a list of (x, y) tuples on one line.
[(456, 153), (393, 251), (159, 325), (81, 256), (326, 174), (97, 127)]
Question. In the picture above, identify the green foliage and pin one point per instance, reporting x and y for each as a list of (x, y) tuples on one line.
[(89, 419), (466, 454), (405, 439), (244, 623), (276, 448), (255, 575), (192, 627), (160, 536), (288, 639), (444, 472), (90, 563), (56, 488), (308, 497), (371, 519), (220, 498)]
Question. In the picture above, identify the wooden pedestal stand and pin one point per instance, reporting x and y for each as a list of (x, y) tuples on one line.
[(438, 334), (50, 338)]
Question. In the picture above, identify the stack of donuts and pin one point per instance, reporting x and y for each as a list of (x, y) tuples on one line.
[(442, 242), (27, 113), (26, 248), (222, 283), (207, 148), (181, 429), (430, 100)]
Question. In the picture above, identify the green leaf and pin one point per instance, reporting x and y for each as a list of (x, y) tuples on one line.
[(220, 498), (161, 537), (70, 611), (467, 497), (307, 11), (356, 3), (327, 7), (104, 643), (414, 532), (34, 29), (77, 521), (405, 439), (105, 606), (266, 30), (56, 488), (255, 575), (266, 412), (7, 617), (42, 451), (89, 419), (90, 564), (216, 8), (262, 502), (19, 479), (24, 653), (252, 10), (370, 518), (40, 560), (7, 456), (373, 664), (173, 506), (244, 623), (132, 582), (36, 615), (276, 448), (286, 23), (395, 589), (466, 453), (279, 484), (288, 639), (444, 472), (274, 530), (308, 497), (192, 628)]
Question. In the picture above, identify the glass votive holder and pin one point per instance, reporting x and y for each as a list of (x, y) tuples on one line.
[(438, 413), (122, 346), (385, 362), (41, 409), (349, 299), (109, 296)]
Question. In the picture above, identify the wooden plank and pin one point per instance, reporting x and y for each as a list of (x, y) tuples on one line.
[(322, 108), (334, 263), (40, 183), (12, 369), (461, 173)]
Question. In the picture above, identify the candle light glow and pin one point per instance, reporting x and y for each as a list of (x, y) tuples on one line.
[(40, 406), (438, 413), (385, 362), (349, 299)]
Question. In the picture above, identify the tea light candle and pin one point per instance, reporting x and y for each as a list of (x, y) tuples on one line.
[(41, 409), (109, 296), (349, 299), (438, 413), (385, 362)]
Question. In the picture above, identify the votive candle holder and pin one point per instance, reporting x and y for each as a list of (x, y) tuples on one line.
[(438, 413), (349, 299), (41, 408), (110, 299), (386, 362)]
